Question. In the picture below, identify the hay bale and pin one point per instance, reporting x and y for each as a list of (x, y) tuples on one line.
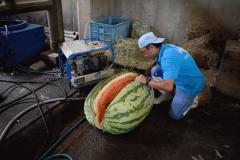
[(197, 27), (128, 55), (210, 81), (205, 96), (202, 41), (205, 58), (210, 77), (139, 28)]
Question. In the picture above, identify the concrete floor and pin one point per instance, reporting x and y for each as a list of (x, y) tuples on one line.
[(209, 132)]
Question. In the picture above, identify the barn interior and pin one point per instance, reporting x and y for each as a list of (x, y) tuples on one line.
[(53, 53)]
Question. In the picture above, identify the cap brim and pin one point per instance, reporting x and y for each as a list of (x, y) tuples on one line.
[(159, 40)]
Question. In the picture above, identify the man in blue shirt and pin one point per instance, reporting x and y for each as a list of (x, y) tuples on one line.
[(174, 68)]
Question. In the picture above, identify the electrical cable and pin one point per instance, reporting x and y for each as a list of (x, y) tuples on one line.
[(6, 30), (48, 136), (59, 155), (85, 30), (19, 98), (2, 80), (12, 104), (10, 89), (19, 101), (62, 138), (39, 108), (6, 49), (25, 100), (22, 100), (44, 84), (24, 69), (44, 120), (30, 69), (5, 107), (66, 96), (7, 89), (50, 114), (26, 110)]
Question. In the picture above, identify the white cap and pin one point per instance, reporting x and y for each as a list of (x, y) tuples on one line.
[(148, 38)]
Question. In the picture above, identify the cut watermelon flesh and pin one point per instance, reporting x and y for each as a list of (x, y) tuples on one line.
[(110, 92)]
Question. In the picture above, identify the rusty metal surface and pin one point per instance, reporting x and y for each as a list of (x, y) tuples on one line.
[(210, 132)]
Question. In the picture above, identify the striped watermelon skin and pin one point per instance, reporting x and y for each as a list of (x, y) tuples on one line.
[(88, 104), (126, 111)]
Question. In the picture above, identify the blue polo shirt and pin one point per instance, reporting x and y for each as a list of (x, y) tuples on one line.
[(178, 64)]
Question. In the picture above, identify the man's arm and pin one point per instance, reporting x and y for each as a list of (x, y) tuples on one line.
[(165, 84)]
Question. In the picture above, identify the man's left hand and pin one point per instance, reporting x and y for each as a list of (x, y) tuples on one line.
[(141, 78)]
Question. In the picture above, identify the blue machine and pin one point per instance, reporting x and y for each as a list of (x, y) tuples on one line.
[(86, 61), (20, 41)]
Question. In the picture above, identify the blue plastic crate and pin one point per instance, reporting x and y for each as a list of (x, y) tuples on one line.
[(109, 29)]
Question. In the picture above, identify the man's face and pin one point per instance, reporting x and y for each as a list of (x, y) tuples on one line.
[(150, 51)]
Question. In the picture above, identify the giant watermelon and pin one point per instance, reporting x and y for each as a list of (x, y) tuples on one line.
[(118, 104)]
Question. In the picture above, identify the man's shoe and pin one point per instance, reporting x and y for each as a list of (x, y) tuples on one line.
[(159, 99), (163, 97), (194, 105)]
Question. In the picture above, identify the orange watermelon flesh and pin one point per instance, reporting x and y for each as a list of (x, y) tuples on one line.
[(110, 93)]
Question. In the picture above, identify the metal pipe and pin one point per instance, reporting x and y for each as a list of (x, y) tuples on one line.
[(11, 7), (67, 34), (55, 23), (55, 20)]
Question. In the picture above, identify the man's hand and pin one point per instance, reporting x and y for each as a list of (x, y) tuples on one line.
[(141, 78), (166, 84)]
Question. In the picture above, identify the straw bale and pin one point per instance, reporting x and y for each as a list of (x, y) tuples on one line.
[(197, 27), (139, 28), (205, 58), (210, 77), (210, 82), (205, 96), (202, 41), (128, 54)]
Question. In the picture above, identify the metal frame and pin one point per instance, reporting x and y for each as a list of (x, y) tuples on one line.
[(55, 18)]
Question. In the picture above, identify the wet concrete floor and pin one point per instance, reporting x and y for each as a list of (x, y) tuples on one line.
[(208, 132)]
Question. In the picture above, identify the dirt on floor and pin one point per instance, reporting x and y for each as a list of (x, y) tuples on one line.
[(209, 132)]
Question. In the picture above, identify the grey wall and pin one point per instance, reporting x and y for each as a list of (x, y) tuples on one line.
[(70, 20), (91, 9), (227, 12), (170, 17), (167, 16)]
